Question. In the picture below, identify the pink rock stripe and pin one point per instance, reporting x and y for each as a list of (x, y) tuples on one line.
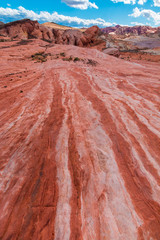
[(80, 145)]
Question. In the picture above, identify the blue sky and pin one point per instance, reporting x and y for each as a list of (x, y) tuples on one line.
[(83, 13)]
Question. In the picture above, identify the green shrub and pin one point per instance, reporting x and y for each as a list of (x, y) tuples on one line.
[(39, 57), (76, 59)]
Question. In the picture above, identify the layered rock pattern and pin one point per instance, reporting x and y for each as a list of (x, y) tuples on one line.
[(80, 145)]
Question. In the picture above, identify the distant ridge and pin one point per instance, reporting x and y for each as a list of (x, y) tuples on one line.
[(61, 27), (135, 30)]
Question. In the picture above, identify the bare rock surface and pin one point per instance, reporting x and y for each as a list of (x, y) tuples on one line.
[(112, 51), (80, 144)]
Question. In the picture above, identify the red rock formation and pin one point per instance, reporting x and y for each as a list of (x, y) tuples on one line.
[(112, 51), (80, 145), (135, 30), (1, 24), (27, 29)]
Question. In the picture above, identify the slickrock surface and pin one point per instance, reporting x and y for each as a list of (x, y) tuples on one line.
[(80, 145)]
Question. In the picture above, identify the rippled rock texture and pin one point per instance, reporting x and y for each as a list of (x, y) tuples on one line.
[(80, 146)]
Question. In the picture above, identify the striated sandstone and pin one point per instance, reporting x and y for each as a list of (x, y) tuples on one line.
[(80, 145)]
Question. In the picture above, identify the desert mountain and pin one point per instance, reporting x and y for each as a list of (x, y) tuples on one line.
[(135, 30)]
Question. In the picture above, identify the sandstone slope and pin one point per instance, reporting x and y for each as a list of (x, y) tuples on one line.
[(80, 144)]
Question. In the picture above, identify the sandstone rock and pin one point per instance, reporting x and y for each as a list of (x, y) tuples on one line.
[(112, 51), (75, 37), (1, 24), (58, 36), (72, 37), (26, 29), (92, 32), (79, 145)]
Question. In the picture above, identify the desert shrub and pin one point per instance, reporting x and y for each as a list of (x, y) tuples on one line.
[(67, 59), (62, 54), (76, 59), (3, 40), (70, 58), (39, 57), (91, 62)]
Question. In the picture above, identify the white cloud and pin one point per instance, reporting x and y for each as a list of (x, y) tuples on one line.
[(21, 12), (156, 3), (137, 24), (147, 13), (81, 4), (125, 1), (8, 4), (141, 2)]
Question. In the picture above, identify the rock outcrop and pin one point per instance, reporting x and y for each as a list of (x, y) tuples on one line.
[(27, 29), (1, 24), (112, 51), (80, 141)]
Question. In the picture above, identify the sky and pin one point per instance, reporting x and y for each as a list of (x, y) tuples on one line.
[(83, 13)]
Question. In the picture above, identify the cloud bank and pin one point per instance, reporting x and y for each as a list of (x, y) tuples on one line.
[(147, 13), (125, 1), (9, 14), (156, 3), (81, 4)]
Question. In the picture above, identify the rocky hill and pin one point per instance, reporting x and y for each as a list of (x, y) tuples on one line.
[(1, 23), (79, 134), (136, 30), (27, 29), (138, 42), (61, 27)]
